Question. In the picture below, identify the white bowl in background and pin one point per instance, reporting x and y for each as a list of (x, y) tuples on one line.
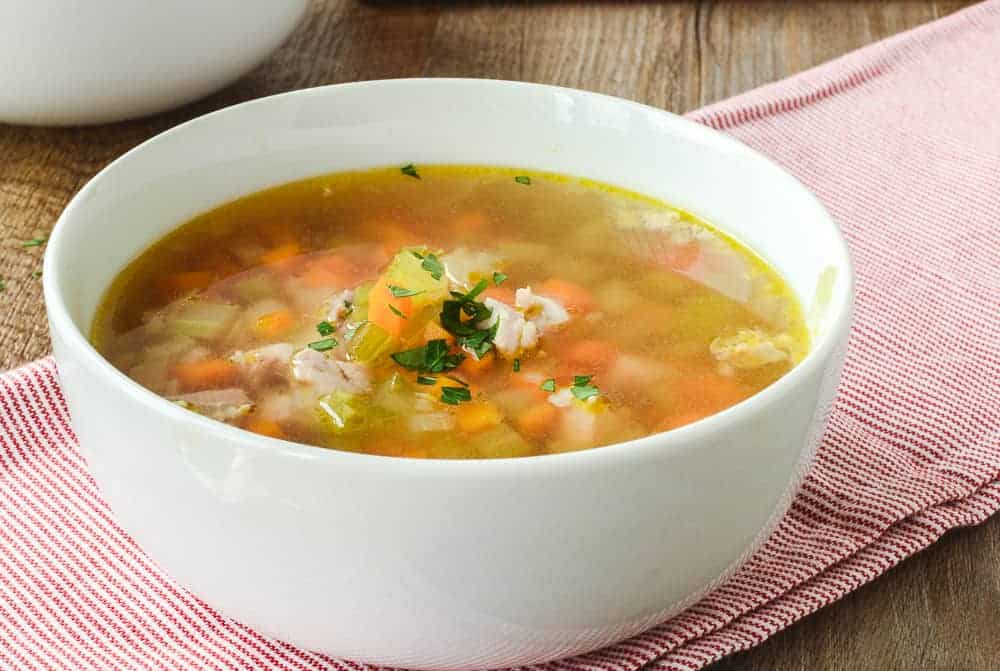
[(96, 61), (426, 563)]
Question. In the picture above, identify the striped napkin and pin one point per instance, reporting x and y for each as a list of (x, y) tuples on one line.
[(901, 140)]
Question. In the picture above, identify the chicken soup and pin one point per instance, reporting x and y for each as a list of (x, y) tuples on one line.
[(450, 312)]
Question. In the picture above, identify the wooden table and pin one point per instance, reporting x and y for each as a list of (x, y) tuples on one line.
[(936, 611)]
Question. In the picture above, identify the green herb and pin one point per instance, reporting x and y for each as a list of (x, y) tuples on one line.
[(37, 274), (325, 328), (430, 358), (549, 385), (452, 322), (498, 278), (584, 392), (421, 379), (3, 284), (517, 365), (323, 345), (396, 311), (455, 395), (416, 254), (409, 170), (523, 179), (400, 292), (35, 242), (432, 265), (480, 342), (581, 380), (476, 290)]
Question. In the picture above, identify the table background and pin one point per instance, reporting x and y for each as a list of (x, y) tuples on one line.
[(938, 610)]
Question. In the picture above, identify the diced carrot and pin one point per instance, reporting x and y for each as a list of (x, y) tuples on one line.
[(590, 355), (274, 324), (682, 257), (205, 374), (379, 311), (710, 392), (282, 252), (574, 297), (476, 416), (188, 280), (470, 223), (266, 427), (434, 331), (476, 367), (538, 420)]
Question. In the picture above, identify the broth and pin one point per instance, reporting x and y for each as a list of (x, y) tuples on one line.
[(450, 312)]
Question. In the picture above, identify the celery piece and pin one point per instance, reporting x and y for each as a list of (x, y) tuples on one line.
[(406, 272), (370, 343), (342, 412), (359, 306), (202, 320), (252, 286)]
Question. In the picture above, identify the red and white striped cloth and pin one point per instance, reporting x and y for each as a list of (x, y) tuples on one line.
[(901, 140)]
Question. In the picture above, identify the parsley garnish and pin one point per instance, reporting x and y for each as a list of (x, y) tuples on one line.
[(409, 170), (582, 389), (37, 274), (498, 278), (400, 292), (396, 311), (517, 365), (455, 395), (458, 380), (3, 284), (423, 379), (430, 358), (323, 345), (480, 342), (432, 265), (523, 179), (549, 385), (325, 328), (35, 242)]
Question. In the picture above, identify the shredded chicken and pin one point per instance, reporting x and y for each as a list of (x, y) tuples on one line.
[(263, 361), (751, 348), (465, 267), (514, 333), (221, 404), (327, 375), (339, 306), (542, 311)]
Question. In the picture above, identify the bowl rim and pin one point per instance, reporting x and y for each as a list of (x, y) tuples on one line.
[(686, 437)]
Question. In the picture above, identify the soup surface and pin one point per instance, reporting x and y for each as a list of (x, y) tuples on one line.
[(450, 312)]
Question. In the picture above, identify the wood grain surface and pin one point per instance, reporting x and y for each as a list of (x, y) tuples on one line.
[(939, 610)]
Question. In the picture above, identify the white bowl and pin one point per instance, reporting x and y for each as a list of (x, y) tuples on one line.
[(444, 564), (106, 60)]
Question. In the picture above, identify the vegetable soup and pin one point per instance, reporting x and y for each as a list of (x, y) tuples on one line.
[(450, 312)]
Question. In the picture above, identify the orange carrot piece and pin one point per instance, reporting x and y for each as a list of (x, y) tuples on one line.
[(274, 324), (205, 374), (434, 331), (591, 355), (476, 416), (266, 427), (710, 392), (379, 311), (282, 252), (537, 420), (476, 367), (679, 420), (573, 296)]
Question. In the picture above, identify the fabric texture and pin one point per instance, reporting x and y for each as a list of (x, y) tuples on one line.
[(901, 141)]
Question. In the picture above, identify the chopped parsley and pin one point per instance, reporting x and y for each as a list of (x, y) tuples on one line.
[(480, 342), (35, 242), (432, 265), (409, 170), (458, 380), (549, 385), (3, 284), (37, 274), (455, 395), (323, 345), (424, 380), (476, 340), (517, 365), (523, 179), (498, 277), (396, 311), (430, 358), (582, 389), (400, 292), (325, 328), (473, 292)]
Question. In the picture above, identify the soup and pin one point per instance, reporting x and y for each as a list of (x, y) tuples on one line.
[(450, 312)]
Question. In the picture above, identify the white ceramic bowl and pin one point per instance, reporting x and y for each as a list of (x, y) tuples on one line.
[(97, 61), (444, 564)]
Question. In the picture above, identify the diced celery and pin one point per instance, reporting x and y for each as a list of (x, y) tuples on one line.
[(252, 286), (502, 441), (203, 320), (342, 412), (359, 307), (369, 343), (394, 397), (406, 271), (431, 421)]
